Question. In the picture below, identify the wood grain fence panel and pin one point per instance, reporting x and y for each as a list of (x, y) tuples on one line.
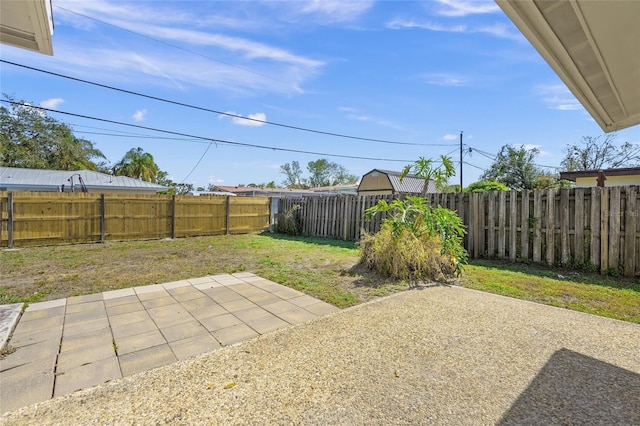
[(491, 224), (579, 239), (564, 226), (604, 229), (502, 223), (474, 225), (513, 224), (614, 227), (248, 214), (524, 224), (630, 231), (595, 227), (537, 231), (550, 224)]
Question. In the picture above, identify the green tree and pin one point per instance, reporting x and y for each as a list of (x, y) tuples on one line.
[(327, 173), (293, 174), (594, 154), (515, 168), (424, 168), (322, 173), (484, 186), (173, 188), (31, 139), (137, 164)]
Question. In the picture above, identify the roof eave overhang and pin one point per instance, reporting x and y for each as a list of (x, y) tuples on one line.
[(597, 92), (27, 24)]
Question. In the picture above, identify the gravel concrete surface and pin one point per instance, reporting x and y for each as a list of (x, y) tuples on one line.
[(438, 355)]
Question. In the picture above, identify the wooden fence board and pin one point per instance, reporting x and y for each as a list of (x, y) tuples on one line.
[(614, 227), (579, 226), (630, 231), (513, 227), (574, 226), (54, 218)]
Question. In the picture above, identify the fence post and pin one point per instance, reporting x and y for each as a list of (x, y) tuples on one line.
[(228, 214), (630, 214), (604, 229), (10, 220), (102, 218), (274, 207), (173, 216)]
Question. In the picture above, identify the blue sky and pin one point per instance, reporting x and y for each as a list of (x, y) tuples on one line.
[(413, 72)]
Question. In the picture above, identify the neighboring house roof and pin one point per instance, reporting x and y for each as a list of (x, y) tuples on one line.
[(251, 191), (593, 47), (628, 171), (343, 189), (17, 179), (410, 184)]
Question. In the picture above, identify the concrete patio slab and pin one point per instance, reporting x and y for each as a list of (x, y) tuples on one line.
[(87, 375), (9, 315), (146, 359), (70, 344), (195, 345), (46, 305)]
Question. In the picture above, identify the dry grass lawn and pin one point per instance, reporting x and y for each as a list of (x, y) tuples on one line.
[(327, 269)]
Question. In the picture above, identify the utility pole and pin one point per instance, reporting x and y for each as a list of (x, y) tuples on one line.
[(461, 161)]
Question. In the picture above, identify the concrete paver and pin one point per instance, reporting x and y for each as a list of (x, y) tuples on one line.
[(70, 344)]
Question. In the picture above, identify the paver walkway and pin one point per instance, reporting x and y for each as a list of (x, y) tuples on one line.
[(74, 343)]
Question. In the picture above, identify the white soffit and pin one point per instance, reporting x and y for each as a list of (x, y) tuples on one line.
[(27, 24), (593, 46)]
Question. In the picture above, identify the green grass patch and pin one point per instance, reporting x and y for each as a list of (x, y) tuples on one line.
[(586, 292), (327, 269)]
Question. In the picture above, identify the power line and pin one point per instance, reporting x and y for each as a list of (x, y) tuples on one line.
[(473, 165), (203, 138), (495, 157), (175, 46), (198, 163), (228, 114)]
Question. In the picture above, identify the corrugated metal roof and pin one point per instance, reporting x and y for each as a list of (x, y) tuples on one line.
[(12, 177), (410, 184)]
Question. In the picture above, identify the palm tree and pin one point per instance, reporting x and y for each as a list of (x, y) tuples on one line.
[(137, 164)]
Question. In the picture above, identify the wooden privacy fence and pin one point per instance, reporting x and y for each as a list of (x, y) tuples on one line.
[(38, 218), (594, 227)]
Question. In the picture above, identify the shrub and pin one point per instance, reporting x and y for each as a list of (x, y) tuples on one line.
[(486, 186), (415, 242), (289, 221)]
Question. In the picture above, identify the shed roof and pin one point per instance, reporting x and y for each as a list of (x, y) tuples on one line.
[(410, 184), (47, 180)]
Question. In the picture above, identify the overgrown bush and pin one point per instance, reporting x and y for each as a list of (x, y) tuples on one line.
[(416, 242), (289, 221)]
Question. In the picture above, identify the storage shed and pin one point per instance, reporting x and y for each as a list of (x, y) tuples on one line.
[(386, 182)]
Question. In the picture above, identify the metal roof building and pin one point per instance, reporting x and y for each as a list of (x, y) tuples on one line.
[(386, 182), (21, 180)]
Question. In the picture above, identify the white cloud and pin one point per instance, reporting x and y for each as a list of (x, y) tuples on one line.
[(557, 96), (354, 114), (334, 10), (235, 64), (445, 79), (140, 115), (51, 103), (455, 8), (215, 180), (252, 120), (530, 147), (450, 137), (499, 30)]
